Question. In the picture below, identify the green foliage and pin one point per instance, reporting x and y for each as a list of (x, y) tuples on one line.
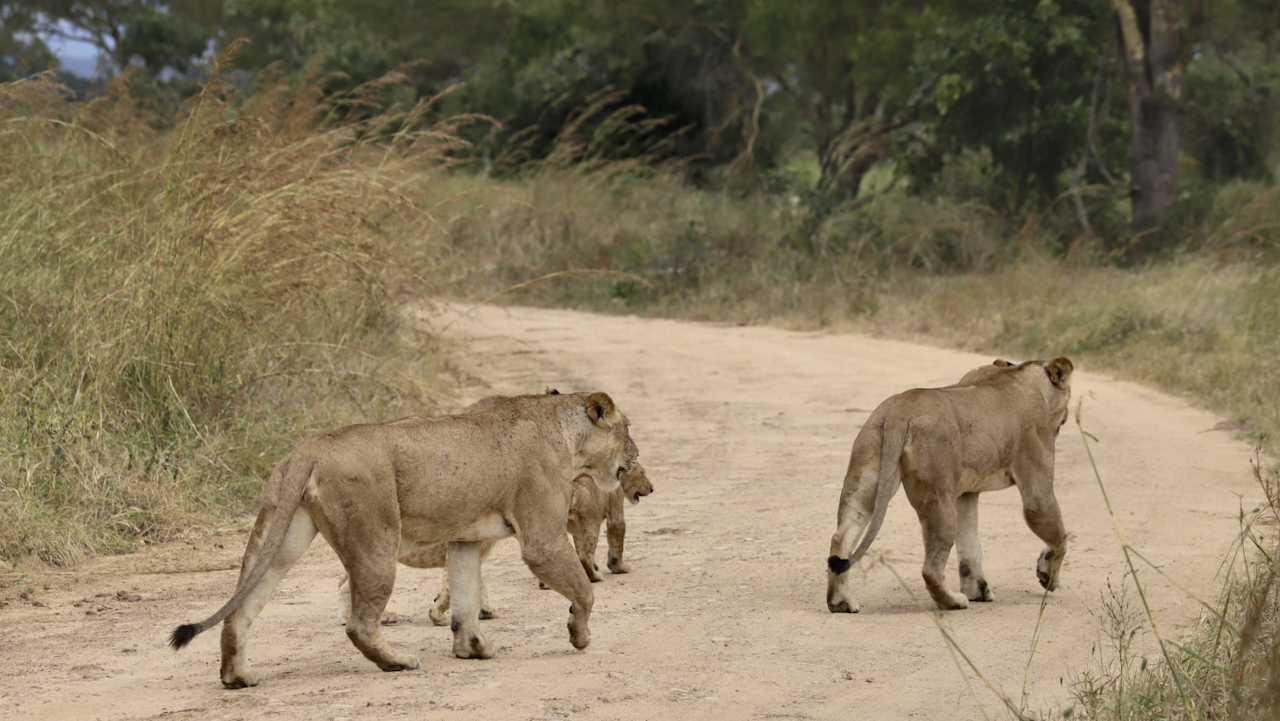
[(1233, 100), (559, 57), (362, 40), (1014, 82), (21, 53), (161, 41)]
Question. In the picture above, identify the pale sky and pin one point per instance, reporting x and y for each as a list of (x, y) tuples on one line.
[(76, 57)]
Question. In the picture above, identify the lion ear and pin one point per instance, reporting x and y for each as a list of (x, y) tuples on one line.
[(1001, 363), (551, 391), (1059, 370), (599, 407)]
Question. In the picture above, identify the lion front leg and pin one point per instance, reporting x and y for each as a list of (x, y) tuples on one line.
[(440, 605), (556, 564), (1044, 518), (973, 582), (466, 587), (617, 533)]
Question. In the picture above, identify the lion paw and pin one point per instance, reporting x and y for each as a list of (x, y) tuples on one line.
[(1046, 572), (471, 646), (243, 679), (617, 565), (842, 606), (579, 640), (402, 663), (979, 591)]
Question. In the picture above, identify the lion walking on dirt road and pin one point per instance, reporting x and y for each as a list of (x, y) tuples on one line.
[(995, 428), (504, 470)]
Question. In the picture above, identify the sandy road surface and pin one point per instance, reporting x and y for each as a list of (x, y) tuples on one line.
[(745, 433)]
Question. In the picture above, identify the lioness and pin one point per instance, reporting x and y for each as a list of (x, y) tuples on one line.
[(505, 470), (994, 429), (587, 510)]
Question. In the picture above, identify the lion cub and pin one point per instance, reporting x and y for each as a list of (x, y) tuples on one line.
[(587, 511), (995, 428)]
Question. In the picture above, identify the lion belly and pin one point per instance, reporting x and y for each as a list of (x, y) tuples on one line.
[(973, 482)]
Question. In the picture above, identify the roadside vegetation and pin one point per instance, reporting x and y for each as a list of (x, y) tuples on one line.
[(179, 305)]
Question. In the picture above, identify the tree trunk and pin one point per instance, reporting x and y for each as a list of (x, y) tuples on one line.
[(1155, 57), (1154, 159)]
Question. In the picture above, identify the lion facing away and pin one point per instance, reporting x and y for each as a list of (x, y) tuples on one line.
[(995, 428), (587, 511), (504, 470)]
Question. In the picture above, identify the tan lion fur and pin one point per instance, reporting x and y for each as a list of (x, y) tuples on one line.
[(994, 429), (502, 469), (587, 511)]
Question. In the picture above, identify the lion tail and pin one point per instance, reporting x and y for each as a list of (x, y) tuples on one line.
[(292, 478), (893, 441)]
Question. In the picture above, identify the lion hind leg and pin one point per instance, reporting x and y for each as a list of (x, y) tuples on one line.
[(857, 503), (372, 577), (371, 586), (465, 584), (938, 525), (973, 582), (344, 605), (236, 672)]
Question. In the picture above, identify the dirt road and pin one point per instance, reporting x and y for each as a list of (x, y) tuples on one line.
[(745, 433)]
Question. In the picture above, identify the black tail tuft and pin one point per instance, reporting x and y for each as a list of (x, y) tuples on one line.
[(183, 634), (837, 565)]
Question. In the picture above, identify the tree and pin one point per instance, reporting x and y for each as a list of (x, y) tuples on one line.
[(1157, 37), (627, 79), (364, 39), (21, 51), (1232, 92), (844, 68), (160, 34), (1012, 81)]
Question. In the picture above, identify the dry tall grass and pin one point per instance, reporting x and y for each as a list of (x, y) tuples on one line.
[(1228, 668), (178, 306)]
